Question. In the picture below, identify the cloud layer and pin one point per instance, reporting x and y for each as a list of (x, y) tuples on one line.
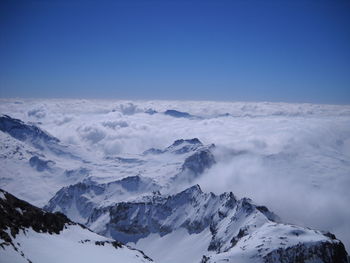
[(294, 158)]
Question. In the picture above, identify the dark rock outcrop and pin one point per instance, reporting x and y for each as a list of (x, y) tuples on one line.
[(16, 215), (324, 252)]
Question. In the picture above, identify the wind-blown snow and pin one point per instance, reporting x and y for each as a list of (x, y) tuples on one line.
[(294, 158)]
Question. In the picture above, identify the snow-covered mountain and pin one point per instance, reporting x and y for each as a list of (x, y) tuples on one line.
[(29, 234), (226, 228), (192, 158), (26, 132), (78, 201)]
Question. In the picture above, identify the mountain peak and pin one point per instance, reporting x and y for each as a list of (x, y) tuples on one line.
[(179, 146), (189, 141), (184, 146), (193, 189)]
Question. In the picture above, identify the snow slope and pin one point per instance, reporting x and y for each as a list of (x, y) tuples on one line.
[(28, 234)]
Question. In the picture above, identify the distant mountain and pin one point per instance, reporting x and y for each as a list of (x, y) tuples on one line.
[(29, 234), (178, 114), (26, 132), (33, 135), (195, 156)]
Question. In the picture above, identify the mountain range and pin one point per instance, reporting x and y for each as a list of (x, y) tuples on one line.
[(135, 208)]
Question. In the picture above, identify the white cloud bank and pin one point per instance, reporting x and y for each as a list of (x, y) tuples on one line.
[(293, 158)]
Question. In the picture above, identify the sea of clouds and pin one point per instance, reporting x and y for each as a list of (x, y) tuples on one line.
[(293, 158)]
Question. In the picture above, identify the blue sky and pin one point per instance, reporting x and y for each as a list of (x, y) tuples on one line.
[(293, 51)]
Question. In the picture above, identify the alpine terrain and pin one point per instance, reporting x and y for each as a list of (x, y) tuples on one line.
[(72, 194)]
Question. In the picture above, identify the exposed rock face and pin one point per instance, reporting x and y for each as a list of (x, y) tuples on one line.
[(325, 251), (199, 161), (18, 215)]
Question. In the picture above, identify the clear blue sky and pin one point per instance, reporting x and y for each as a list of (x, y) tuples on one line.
[(294, 51)]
